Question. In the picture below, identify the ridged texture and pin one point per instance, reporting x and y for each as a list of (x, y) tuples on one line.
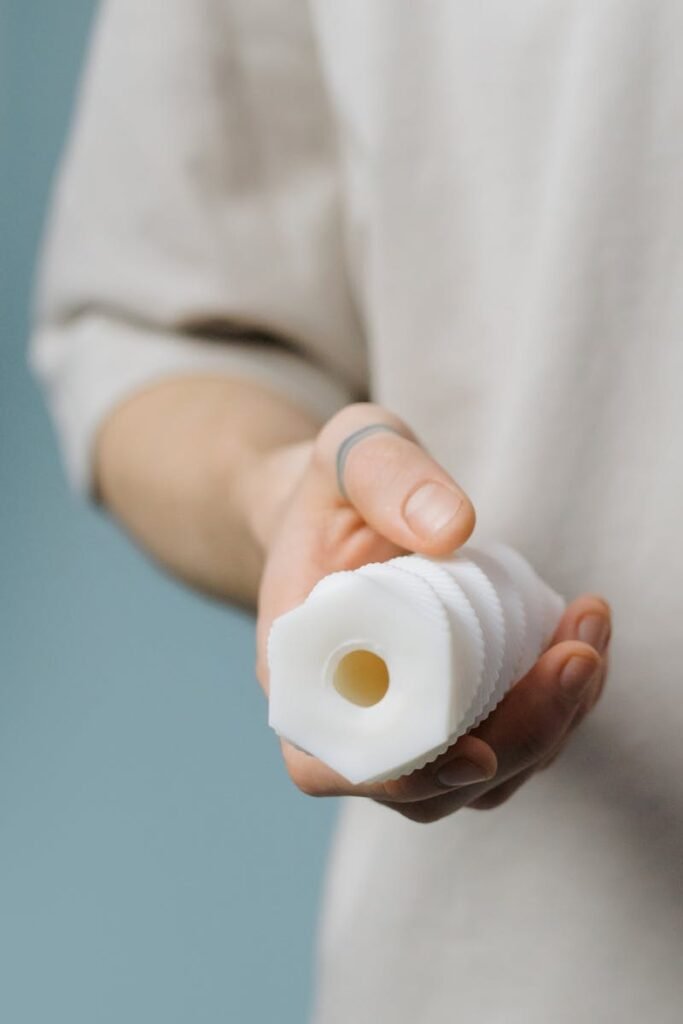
[(498, 614), (421, 595)]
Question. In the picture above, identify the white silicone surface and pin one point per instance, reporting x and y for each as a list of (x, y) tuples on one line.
[(466, 632), (454, 634)]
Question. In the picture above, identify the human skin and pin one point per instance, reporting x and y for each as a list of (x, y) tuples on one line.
[(233, 489)]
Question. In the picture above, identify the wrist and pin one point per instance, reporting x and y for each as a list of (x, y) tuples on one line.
[(267, 482)]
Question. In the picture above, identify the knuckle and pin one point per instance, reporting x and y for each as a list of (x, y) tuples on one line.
[(532, 746)]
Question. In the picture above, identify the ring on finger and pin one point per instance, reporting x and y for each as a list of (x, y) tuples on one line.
[(349, 442)]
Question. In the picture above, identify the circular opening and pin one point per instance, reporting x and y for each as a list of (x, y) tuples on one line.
[(362, 677)]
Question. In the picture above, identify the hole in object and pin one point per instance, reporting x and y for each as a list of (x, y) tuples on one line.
[(362, 677)]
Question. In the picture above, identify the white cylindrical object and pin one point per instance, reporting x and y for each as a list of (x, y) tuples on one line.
[(382, 668)]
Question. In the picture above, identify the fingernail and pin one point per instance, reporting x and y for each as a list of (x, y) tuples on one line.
[(460, 772), (576, 675), (431, 508), (594, 630)]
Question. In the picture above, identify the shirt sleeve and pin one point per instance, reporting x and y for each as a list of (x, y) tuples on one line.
[(196, 221)]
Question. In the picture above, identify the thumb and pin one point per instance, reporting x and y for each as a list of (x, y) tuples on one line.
[(398, 489)]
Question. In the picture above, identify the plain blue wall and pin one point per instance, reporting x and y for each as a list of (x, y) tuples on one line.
[(155, 863)]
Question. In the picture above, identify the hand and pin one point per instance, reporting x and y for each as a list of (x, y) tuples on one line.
[(400, 499)]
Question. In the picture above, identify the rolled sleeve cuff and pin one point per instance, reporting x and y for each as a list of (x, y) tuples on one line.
[(88, 367)]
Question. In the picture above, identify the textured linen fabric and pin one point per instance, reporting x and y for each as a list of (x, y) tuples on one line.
[(475, 211), (198, 201)]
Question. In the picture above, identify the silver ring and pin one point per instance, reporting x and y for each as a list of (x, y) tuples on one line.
[(348, 443)]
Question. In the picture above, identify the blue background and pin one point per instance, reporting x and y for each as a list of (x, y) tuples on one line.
[(156, 865)]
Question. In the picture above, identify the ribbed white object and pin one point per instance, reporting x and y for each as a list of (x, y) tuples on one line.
[(381, 669)]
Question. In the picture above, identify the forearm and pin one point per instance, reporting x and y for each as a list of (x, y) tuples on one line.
[(184, 467)]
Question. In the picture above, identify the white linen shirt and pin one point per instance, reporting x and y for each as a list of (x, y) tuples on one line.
[(473, 213)]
